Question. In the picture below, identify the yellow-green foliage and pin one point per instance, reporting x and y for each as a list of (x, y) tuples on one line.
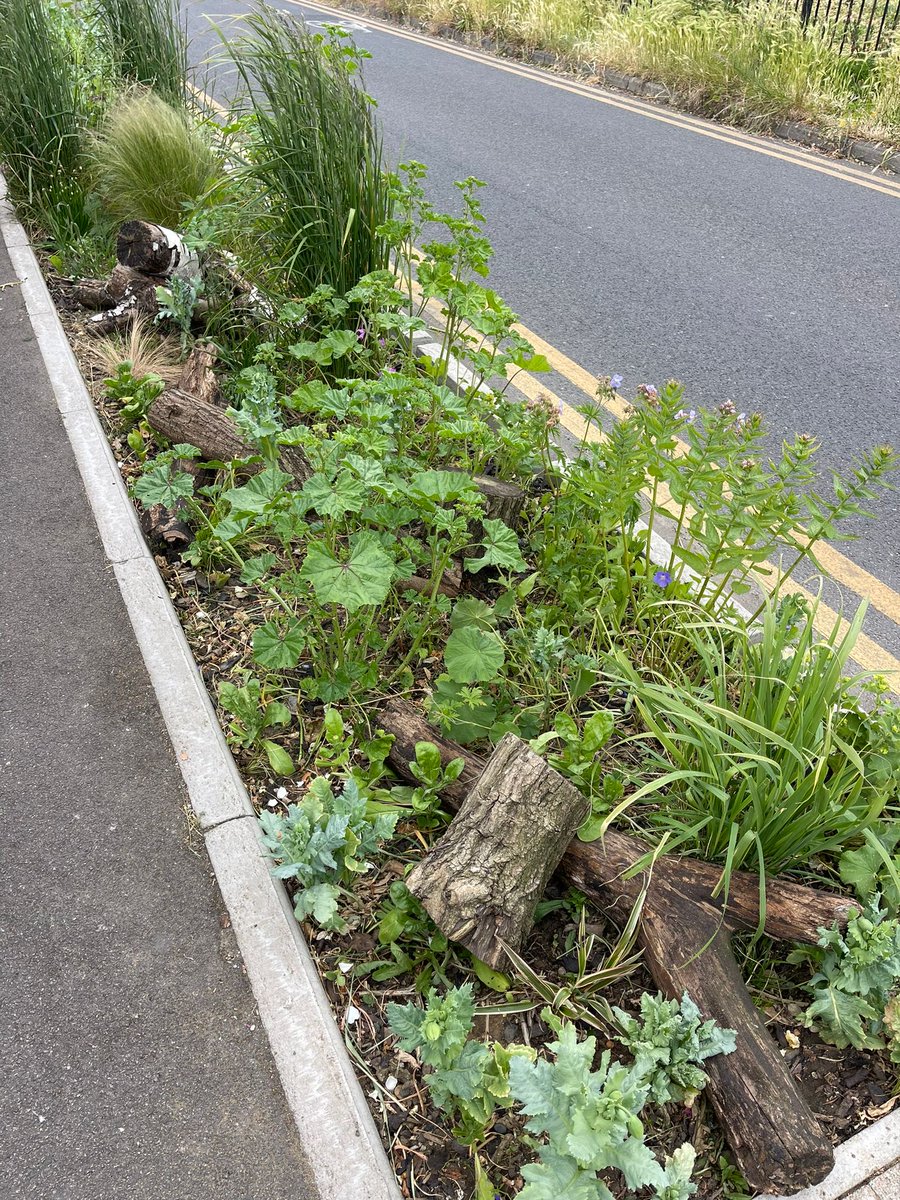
[(751, 63), (151, 161)]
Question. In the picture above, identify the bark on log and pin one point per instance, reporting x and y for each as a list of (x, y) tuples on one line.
[(150, 249), (183, 418), (197, 376), (416, 583), (504, 501), (481, 881), (778, 1144)]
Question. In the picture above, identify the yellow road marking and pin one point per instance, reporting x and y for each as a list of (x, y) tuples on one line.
[(691, 124)]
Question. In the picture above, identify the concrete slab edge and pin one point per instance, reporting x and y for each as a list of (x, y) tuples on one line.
[(322, 1090), (335, 1125)]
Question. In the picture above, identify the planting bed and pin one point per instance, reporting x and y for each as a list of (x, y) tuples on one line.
[(439, 648)]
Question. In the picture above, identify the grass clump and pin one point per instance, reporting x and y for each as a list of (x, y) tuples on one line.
[(147, 43), (317, 153), (151, 161), (43, 120)]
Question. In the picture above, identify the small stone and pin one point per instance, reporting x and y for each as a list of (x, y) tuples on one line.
[(391, 1082)]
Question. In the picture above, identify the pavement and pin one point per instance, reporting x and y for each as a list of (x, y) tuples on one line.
[(134, 1061)]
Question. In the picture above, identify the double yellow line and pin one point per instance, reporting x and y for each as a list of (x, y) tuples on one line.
[(809, 160)]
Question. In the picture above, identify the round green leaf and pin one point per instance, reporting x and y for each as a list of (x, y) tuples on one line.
[(278, 647), (473, 655)]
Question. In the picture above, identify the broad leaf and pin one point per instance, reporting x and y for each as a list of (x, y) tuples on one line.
[(363, 578), (473, 655), (279, 759), (278, 646), (501, 549), (162, 485)]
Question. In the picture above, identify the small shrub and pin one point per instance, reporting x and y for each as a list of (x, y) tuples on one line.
[(151, 162)]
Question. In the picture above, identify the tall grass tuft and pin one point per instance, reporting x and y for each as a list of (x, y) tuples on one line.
[(317, 154), (42, 120), (147, 41), (151, 161)]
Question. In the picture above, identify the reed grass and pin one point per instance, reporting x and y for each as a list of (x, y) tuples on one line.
[(147, 41), (317, 154)]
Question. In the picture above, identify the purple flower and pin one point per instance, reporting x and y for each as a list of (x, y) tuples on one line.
[(686, 414), (361, 333), (615, 382), (649, 390), (662, 578)]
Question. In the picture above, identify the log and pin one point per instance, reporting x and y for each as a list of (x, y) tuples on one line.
[(197, 376), (184, 418), (480, 882), (793, 912), (150, 249), (504, 501), (416, 583), (685, 933)]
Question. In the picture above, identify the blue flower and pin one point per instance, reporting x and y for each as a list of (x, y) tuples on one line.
[(615, 382), (662, 578)]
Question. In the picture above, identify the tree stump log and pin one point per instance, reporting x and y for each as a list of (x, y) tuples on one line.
[(184, 418), (503, 501), (685, 931), (151, 249), (481, 881)]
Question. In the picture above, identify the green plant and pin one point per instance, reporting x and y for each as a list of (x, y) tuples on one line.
[(133, 394), (178, 302), (432, 777), (854, 987), (467, 1078), (44, 118), (579, 998), (151, 161), (416, 946), (589, 1122), (252, 717), (316, 152), (147, 42), (874, 868), (669, 1043), (757, 763), (322, 842)]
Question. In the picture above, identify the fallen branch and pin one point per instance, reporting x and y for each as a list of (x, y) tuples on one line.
[(180, 417)]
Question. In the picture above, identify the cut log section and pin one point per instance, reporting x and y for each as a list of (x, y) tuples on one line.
[(481, 881), (503, 501), (685, 930), (184, 418), (153, 250)]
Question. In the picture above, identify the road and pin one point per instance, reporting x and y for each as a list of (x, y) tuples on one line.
[(642, 242)]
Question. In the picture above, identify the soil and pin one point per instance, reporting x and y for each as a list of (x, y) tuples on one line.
[(847, 1090)]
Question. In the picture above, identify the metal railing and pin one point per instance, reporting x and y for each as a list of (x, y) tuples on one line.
[(855, 26)]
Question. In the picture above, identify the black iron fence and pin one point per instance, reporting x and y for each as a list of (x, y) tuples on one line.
[(855, 26)]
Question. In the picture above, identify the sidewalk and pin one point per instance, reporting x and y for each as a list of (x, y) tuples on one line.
[(134, 1064)]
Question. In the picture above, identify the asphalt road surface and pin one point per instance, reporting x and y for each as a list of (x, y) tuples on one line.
[(655, 247)]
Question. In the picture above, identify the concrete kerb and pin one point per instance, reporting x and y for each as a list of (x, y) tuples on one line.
[(336, 1127), (337, 1131)]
